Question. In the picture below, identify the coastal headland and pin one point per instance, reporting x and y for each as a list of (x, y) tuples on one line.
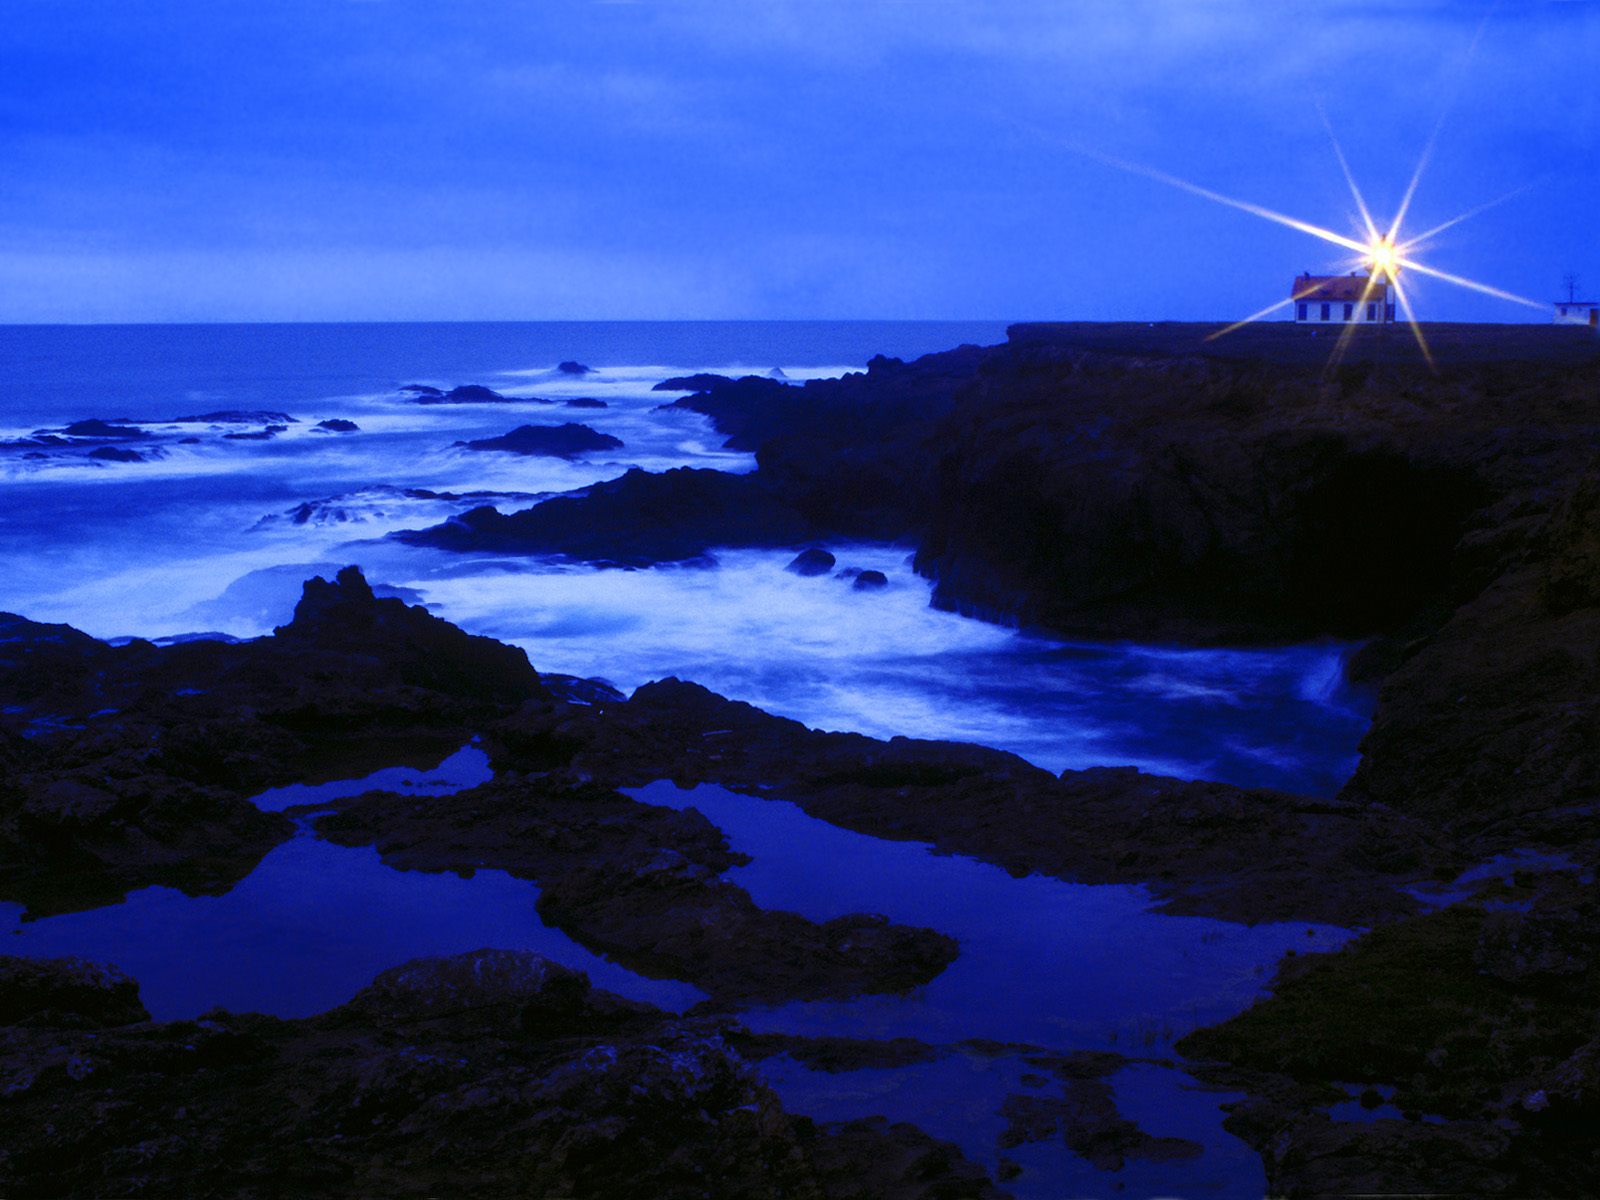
[(1116, 482)]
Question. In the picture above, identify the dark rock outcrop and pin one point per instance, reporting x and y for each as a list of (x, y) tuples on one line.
[(811, 561), (116, 454), (1205, 848), (870, 581), (467, 393), (234, 416), (131, 765), (554, 441), (493, 1074), (1480, 1015), (636, 520), (99, 430), (338, 425), (1083, 1114), (641, 884), (702, 382), (585, 402), (67, 993), (574, 368)]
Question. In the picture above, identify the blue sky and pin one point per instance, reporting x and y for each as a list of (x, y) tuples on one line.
[(544, 159)]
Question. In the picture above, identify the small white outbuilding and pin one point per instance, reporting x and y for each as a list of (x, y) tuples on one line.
[(1578, 312)]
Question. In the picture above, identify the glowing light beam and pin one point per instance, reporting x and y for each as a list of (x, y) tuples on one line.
[(1412, 243), (1349, 331), (1327, 235), (1416, 329), (1471, 284), (1349, 176)]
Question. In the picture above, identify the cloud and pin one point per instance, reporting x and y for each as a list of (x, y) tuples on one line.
[(782, 157)]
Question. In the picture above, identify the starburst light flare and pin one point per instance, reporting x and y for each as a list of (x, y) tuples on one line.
[(1384, 254)]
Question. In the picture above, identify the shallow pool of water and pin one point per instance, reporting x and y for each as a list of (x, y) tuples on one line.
[(1057, 965), (315, 922), (1043, 963)]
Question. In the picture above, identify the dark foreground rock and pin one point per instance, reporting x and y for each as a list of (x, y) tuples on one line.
[(1480, 1018), (66, 993), (552, 441), (131, 765), (642, 885), (495, 1073)]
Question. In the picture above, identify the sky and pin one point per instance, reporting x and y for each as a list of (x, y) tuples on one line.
[(284, 160)]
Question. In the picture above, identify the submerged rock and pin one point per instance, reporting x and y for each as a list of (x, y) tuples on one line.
[(554, 441), (338, 425), (586, 402), (574, 368), (116, 454)]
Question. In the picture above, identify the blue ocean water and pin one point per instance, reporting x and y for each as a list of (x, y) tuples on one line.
[(214, 531), (68, 371)]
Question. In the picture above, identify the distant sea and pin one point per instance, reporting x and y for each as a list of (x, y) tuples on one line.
[(64, 371)]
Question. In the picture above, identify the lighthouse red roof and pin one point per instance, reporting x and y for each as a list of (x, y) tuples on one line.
[(1336, 287)]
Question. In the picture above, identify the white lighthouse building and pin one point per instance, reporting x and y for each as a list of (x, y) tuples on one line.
[(1341, 300)]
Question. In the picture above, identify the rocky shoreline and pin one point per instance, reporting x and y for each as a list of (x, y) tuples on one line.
[(1452, 521)]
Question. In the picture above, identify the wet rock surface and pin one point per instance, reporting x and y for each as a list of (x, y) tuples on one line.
[(551, 441), (67, 993), (1082, 1112), (132, 765), (466, 393), (1204, 848), (1480, 1018), (637, 520), (811, 561), (488, 1074), (642, 885), (1099, 493)]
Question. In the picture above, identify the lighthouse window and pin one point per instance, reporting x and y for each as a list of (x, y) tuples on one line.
[(1326, 309), (1349, 311), (1302, 313), (1372, 311)]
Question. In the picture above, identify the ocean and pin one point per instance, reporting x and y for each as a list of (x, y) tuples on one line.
[(214, 528)]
